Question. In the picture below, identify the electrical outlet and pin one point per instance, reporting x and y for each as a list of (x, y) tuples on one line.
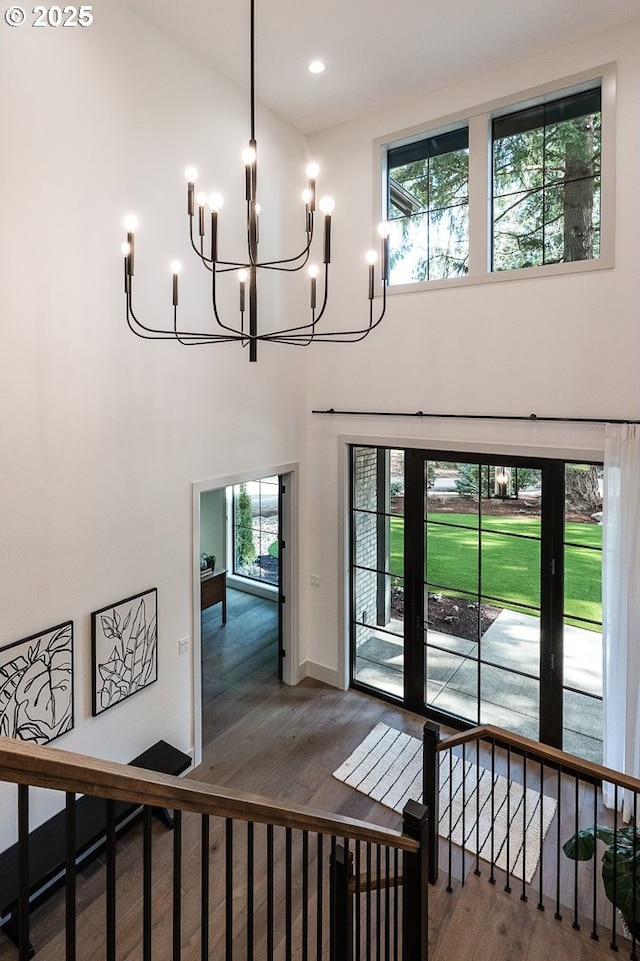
[(315, 580), (183, 645)]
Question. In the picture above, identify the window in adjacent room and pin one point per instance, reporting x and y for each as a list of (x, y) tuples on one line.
[(256, 530)]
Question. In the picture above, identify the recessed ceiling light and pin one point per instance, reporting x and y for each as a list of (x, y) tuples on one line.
[(316, 66)]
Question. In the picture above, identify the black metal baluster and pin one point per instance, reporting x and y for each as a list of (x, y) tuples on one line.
[(250, 888), (368, 910), (111, 880), (319, 898), (634, 878), (177, 885), (492, 878), (449, 885), (507, 886), (523, 896), (288, 901), (305, 896), (387, 904), (228, 890), (477, 868), (396, 918), (541, 866), (24, 947), (204, 887), (464, 805), (270, 890), (558, 914), (146, 883), (594, 931), (358, 906), (616, 802), (575, 868), (70, 873), (378, 902)]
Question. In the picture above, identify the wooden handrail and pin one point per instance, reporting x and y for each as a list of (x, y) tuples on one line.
[(49, 767), (552, 755)]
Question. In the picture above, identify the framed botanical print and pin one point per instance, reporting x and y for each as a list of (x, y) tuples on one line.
[(36, 685), (124, 649)]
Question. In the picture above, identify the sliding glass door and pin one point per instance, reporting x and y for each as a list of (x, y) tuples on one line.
[(476, 591)]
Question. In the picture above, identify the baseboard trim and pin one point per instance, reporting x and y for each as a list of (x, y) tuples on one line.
[(320, 673)]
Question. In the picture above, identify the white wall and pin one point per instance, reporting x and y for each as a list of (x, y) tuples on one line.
[(101, 434), (562, 346)]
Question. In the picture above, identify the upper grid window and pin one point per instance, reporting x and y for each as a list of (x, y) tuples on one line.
[(428, 208), (546, 183), (500, 189)]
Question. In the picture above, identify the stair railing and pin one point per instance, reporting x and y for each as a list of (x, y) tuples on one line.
[(559, 827), (242, 877)]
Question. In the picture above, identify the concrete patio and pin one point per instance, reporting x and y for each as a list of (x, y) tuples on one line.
[(509, 699)]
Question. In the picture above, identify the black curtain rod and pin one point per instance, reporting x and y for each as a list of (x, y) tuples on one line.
[(527, 417)]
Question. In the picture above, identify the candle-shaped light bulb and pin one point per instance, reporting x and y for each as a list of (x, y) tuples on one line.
[(307, 196), (327, 205), (384, 229), (175, 270), (131, 225), (201, 198), (215, 202), (313, 275), (126, 251), (242, 278), (249, 156), (312, 172), (191, 175), (371, 257)]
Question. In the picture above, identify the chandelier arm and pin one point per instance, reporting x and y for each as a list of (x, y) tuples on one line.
[(277, 264), (238, 334), (296, 332), (200, 253), (339, 336), (156, 333)]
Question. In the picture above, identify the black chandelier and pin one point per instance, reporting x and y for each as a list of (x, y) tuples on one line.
[(205, 244)]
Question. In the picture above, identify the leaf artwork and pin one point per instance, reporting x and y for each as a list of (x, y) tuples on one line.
[(125, 646), (36, 688)]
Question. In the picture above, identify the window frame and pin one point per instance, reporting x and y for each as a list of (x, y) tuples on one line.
[(479, 119)]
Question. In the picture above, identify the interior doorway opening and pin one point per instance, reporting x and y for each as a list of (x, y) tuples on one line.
[(243, 609)]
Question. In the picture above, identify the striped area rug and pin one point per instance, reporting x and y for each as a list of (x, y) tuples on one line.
[(387, 766)]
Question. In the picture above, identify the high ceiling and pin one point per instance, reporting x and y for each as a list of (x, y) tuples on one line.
[(376, 51)]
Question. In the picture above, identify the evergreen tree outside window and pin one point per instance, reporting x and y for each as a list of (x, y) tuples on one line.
[(504, 187), (546, 183), (256, 526), (428, 208)]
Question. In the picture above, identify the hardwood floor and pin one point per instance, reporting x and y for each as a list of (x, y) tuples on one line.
[(279, 741), (235, 656)]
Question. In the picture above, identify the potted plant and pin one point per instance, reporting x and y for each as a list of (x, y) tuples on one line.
[(620, 867)]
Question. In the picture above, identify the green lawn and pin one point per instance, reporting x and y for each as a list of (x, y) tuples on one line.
[(510, 565)]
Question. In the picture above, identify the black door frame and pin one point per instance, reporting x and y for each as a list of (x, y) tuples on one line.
[(551, 584)]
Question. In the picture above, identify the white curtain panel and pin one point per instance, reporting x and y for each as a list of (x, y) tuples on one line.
[(621, 605)]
